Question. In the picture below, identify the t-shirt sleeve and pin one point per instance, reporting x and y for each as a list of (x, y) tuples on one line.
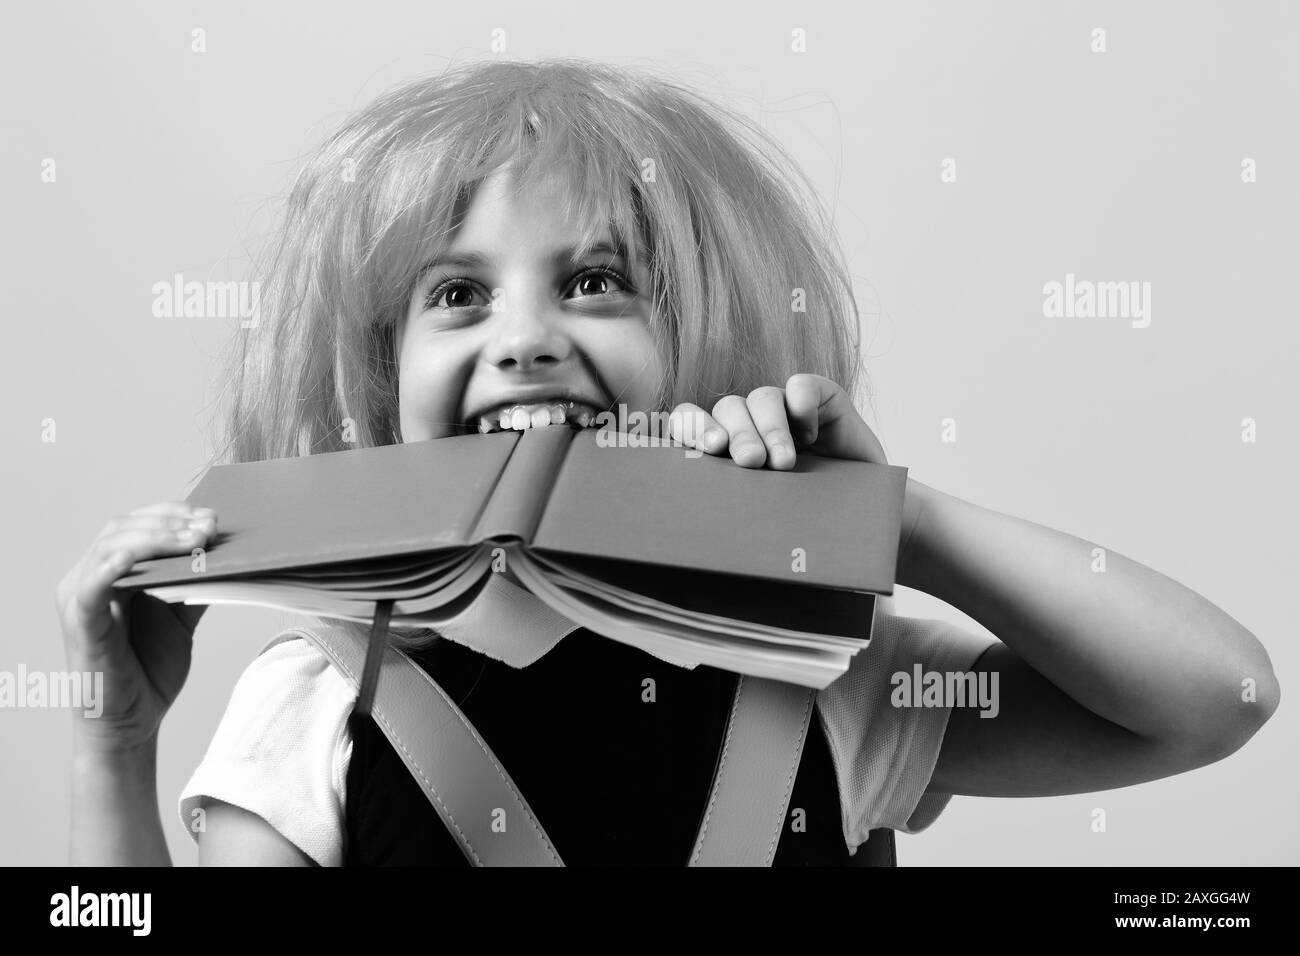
[(282, 750), (885, 755)]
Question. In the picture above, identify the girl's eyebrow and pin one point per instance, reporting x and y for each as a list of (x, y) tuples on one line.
[(570, 258)]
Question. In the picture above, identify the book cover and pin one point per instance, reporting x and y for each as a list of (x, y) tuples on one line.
[(693, 558)]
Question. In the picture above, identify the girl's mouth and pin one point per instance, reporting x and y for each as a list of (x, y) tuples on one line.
[(519, 416)]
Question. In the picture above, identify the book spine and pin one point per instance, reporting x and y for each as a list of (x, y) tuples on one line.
[(519, 498)]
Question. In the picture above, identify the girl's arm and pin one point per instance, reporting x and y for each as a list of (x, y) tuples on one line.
[(141, 647), (115, 820), (233, 836), (1106, 678)]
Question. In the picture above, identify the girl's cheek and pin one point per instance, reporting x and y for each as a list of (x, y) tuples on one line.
[(633, 368), (427, 407)]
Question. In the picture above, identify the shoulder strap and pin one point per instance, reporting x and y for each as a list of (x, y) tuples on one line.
[(454, 766), (755, 776), (464, 781)]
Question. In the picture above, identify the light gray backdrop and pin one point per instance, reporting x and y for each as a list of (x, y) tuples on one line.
[(1116, 165)]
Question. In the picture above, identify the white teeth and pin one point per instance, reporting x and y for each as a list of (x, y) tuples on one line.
[(535, 415)]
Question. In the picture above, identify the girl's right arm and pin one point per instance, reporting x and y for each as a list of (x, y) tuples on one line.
[(232, 836), (142, 648)]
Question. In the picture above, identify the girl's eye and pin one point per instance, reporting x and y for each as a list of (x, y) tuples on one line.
[(596, 281), (459, 293)]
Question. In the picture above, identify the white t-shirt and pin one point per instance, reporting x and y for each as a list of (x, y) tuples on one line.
[(283, 746)]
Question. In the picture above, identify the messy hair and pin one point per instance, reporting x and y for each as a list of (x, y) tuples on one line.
[(747, 282), (727, 226)]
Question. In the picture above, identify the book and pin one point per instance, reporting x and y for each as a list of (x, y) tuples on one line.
[(687, 556)]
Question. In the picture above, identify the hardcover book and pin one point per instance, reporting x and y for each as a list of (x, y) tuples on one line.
[(689, 557)]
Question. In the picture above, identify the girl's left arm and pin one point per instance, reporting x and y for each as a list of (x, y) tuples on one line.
[(1104, 678)]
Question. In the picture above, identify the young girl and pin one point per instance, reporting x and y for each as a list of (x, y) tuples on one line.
[(508, 245)]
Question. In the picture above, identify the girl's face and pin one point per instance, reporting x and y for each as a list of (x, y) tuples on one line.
[(514, 327)]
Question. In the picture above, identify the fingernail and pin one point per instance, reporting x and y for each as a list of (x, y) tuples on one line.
[(202, 513), (201, 524)]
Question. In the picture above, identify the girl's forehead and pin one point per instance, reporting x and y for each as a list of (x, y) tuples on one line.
[(502, 193), (549, 204), (556, 193)]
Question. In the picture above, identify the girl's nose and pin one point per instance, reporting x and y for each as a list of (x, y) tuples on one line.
[(525, 337)]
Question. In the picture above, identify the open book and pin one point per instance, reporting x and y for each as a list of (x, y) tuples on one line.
[(688, 557)]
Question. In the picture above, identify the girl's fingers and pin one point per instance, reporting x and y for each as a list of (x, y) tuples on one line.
[(695, 428), (803, 396), (174, 515), (88, 606), (114, 553), (772, 423), (152, 536), (178, 508), (841, 432), (767, 411), (165, 521), (747, 448)]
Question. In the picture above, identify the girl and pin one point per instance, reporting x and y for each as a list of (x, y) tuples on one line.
[(509, 244)]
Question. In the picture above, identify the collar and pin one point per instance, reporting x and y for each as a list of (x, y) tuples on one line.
[(507, 623)]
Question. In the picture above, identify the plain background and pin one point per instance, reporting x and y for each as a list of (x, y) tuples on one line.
[(1123, 165)]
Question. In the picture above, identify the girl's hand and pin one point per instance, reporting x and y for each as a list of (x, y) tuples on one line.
[(765, 427), (142, 645)]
